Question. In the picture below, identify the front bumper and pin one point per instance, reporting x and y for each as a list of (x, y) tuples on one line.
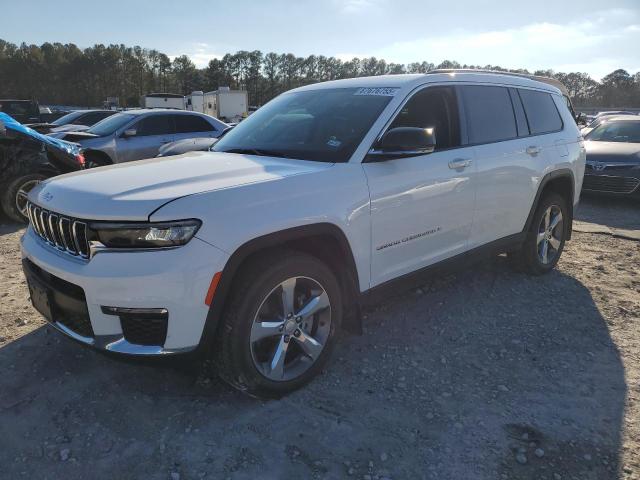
[(171, 281)]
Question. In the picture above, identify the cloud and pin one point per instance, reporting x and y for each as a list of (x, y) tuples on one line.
[(356, 6), (200, 54), (598, 45)]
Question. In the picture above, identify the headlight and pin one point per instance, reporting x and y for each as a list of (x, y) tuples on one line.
[(145, 235)]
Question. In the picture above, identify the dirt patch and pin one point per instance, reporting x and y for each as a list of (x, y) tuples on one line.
[(486, 374)]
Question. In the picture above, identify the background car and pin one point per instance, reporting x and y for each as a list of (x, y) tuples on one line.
[(23, 111), (613, 157), (599, 119), (26, 159), (138, 134), (77, 121)]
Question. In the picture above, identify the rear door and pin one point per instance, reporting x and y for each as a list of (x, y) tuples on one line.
[(422, 206), (498, 132), (193, 126), (546, 125), (152, 131)]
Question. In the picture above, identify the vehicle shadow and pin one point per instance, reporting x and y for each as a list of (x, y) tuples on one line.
[(612, 212), (463, 378), (7, 228)]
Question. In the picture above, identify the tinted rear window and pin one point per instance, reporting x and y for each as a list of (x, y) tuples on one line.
[(192, 123), (542, 114), (489, 114), (155, 125)]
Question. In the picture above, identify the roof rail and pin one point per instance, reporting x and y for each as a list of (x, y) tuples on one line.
[(548, 80)]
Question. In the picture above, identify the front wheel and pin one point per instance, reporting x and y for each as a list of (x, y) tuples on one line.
[(281, 324), (14, 198), (541, 250)]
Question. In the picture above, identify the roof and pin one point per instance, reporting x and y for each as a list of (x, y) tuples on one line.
[(164, 95), (410, 81), (142, 111), (621, 118)]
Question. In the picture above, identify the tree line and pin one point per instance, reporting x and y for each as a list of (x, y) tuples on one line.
[(64, 74)]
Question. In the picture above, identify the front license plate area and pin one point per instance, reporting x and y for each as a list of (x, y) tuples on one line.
[(40, 297)]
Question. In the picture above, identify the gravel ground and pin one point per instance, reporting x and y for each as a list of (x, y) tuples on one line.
[(485, 374)]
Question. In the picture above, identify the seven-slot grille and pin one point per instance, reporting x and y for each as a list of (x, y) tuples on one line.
[(65, 233)]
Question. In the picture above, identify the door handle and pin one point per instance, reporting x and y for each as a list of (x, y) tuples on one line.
[(533, 150), (459, 163)]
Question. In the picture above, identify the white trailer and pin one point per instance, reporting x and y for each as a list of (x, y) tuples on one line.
[(163, 100), (195, 101), (226, 105)]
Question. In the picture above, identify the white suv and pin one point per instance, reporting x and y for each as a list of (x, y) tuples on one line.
[(258, 251)]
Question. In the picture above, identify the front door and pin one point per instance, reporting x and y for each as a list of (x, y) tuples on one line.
[(152, 131), (422, 207)]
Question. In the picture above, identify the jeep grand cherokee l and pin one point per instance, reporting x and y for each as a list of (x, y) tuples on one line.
[(258, 251)]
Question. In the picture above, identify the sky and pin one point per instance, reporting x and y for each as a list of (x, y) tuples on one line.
[(591, 36)]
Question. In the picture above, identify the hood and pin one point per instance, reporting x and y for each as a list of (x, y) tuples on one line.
[(73, 136), (619, 152), (132, 191), (186, 145)]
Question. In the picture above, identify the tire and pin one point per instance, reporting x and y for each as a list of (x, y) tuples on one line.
[(14, 197), (530, 258), (248, 361)]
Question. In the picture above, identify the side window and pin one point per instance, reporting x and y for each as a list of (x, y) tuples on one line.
[(86, 119), (155, 125), (542, 114), (95, 117), (489, 112), (192, 123), (518, 109), (567, 100), (433, 107)]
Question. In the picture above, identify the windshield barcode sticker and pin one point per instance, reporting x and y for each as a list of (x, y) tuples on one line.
[(377, 91)]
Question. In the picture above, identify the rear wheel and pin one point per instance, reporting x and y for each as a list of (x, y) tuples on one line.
[(280, 327), (541, 250), (14, 198)]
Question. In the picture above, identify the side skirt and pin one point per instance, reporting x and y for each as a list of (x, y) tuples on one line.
[(453, 264)]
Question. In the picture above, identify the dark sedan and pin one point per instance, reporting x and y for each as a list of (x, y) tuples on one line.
[(613, 157)]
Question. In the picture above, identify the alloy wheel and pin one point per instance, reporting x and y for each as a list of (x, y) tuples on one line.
[(22, 195), (290, 329), (550, 232)]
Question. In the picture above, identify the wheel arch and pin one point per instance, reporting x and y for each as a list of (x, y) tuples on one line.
[(562, 182), (98, 153), (325, 241)]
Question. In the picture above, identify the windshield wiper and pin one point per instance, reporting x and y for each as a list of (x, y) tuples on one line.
[(257, 151)]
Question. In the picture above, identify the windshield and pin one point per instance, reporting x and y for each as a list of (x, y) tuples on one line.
[(624, 131), (66, 119), (111, 124), (323, 125)]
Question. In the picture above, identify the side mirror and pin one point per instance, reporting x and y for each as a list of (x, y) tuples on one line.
[(404, 142), (130, 132)]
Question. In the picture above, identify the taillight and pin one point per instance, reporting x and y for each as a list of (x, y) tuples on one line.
[(80, 159)]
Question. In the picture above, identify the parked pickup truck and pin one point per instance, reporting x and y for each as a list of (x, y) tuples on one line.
[(258, 252)]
